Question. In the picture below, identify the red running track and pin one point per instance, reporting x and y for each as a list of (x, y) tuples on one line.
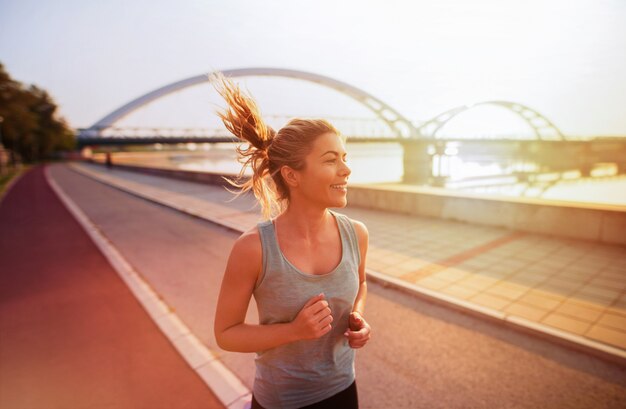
[(72, 335)]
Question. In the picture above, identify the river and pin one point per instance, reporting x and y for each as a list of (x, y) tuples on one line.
[(382, 163)]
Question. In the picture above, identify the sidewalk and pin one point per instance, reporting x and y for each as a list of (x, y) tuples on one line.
[(571, 291), (73, 335)]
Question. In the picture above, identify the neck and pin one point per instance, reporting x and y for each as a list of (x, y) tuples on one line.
[(304, 220)]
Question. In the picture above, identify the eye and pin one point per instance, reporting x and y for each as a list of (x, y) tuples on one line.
[(331, 160)]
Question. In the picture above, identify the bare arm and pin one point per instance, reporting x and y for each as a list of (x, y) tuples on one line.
[(232, 333), (359, 331), (242, 270), (363, 236)]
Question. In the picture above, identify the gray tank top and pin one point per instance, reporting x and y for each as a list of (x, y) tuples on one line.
[(304, 372)]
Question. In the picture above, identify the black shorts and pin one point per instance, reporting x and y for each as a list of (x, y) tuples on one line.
[(346, 399)]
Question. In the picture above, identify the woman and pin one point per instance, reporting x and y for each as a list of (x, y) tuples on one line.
[(305, 265)]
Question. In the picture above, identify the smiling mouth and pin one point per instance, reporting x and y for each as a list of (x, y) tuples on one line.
[(342, 187)]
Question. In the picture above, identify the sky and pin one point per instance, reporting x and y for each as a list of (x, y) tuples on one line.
[(565, 59)]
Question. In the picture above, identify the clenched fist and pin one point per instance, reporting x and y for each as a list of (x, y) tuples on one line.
[(359, 330), (314, 319)]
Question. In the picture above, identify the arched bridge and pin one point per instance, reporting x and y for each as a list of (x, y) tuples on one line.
[(400, 126), (540, 125), (547, 149)]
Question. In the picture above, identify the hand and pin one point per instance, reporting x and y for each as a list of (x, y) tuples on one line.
[(314, 319), (359, 330)]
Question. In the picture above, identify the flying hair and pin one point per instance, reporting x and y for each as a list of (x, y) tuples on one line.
[(265, 150)]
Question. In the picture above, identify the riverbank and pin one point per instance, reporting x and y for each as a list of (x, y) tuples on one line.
[(382, 165)]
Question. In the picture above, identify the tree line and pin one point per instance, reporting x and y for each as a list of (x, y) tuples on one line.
[(29, 123)]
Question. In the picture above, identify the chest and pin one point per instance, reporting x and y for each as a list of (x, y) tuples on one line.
[(317, 258)]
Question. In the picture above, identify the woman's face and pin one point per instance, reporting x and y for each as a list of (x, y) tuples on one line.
[(325, 176)]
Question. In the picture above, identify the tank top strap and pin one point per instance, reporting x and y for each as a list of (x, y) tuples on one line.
[(347, 226), (271, 252)]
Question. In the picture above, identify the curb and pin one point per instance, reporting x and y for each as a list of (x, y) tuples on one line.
[(222, 382), (555, 335), (576, 342)]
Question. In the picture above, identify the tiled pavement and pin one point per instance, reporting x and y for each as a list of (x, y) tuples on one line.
[(574, 286)]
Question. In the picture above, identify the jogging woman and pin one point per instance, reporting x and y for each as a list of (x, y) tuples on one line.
[(304, 264)]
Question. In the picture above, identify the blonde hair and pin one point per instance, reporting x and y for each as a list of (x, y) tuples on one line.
[(268, 150)]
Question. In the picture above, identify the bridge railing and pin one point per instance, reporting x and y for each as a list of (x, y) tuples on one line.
[(148, 132), (348, 126)]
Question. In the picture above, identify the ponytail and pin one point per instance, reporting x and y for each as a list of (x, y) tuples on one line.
[(243, 119)]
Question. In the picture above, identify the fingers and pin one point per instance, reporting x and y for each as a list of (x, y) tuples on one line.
[(318, 328), (316, 304), (320, 316), (356, 322), (320, 307), (357, 339), (325, 322), (357, 343), (314, 319), (313, 300), (363, 333)]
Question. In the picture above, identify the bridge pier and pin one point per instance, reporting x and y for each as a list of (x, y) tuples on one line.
[(417, 162)]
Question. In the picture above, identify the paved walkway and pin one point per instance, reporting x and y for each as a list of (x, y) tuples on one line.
[(566, 287), (440, 358), (72, 334)]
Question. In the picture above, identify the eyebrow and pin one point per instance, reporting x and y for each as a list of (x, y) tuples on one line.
[(335, 152)]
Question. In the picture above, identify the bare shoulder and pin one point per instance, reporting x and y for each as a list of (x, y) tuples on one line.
[(249, 244)]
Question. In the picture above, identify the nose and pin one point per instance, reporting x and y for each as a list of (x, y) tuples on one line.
[(346, 169)]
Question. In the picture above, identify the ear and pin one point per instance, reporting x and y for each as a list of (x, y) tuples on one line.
[(290, 176)]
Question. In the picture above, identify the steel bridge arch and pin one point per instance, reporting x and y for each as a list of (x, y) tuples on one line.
[(399, 125), (534, 119)]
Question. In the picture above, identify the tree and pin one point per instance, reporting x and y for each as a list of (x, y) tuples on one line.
[(30, 125)]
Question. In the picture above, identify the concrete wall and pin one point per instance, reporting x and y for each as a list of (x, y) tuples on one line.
[(189, 175), (596, 222), (603, 223)]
